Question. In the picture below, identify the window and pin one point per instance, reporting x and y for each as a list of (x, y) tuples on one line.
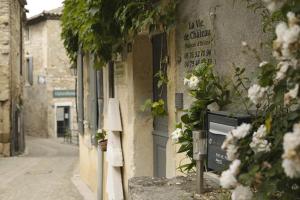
[(27, 33), (80, 92), (29, 65)]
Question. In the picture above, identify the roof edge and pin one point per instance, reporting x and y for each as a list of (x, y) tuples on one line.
[(43, 16), (53, 14)]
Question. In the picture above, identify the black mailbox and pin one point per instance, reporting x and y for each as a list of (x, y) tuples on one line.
[(219, 124)]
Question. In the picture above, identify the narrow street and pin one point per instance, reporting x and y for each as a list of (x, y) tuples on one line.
[(45, 172)]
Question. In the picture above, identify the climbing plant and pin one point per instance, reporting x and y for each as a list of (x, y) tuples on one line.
[(209, 93), (265, 154), (104, 26)]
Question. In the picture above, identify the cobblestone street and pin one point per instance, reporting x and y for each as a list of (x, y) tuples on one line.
[(45, 172)]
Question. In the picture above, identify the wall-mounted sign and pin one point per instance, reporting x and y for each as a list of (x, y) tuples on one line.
[(197, 39), (41, 79), (64, 93)]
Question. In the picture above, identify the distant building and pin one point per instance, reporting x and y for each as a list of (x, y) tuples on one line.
[(49, 91), (12, 17)]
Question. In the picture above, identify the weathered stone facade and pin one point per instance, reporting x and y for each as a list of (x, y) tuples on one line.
[(11, 76), (51, 72)]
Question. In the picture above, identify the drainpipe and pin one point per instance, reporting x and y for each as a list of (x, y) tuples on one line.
[(100, 174), (100, 160), (100, 155)]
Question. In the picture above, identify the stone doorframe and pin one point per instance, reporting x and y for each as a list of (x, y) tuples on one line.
[(61, 104)]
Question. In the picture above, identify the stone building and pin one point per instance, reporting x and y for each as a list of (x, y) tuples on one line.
[(12, 18), (210, 29), (49, 91)]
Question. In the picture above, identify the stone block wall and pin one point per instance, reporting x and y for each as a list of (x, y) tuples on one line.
[(50, 61), (4, 77), (11, 63)]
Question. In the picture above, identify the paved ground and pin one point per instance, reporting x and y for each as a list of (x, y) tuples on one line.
[(43, 173)]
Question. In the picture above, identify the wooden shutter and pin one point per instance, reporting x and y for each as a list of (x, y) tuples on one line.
[(100, 97), (80, 93), (93, 97)]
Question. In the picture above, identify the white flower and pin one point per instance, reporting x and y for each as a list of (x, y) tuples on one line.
[(259, 144), (291, 156), (257, 93), (292, 94), (99, 130), (292, 18), (292, 139), (193, 82), (228, 180), (263, 63), (176, 134), (284, 66), (228, 177), (291, 35), (213, 107), (241, 131), (291, 168), (242, 193), (186, 81), (280, 31), (231, 152), (286, 36), (229, 140), (244, 44), (234, 167), (273, 5), (261, 132)]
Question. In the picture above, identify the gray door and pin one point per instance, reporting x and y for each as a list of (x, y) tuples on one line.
[(160, 124)]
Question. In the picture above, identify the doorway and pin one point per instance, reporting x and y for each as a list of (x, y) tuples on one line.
[(160, 124), (62, 120)]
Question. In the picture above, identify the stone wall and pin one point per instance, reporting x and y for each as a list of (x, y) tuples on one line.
[(50, 63), (59, 76), (11, 63), (5, 75), (35, 95)]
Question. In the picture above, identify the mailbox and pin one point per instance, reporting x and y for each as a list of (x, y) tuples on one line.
[(219, 124)]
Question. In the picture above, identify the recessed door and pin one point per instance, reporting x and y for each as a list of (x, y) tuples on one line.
[(160, 124), (62, 120)]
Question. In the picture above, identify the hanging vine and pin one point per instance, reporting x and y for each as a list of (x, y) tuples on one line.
[(104, 26)]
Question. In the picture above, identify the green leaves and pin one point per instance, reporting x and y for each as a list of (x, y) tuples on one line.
[(267, 75), (210, 89), (157, 108), (103, 26)]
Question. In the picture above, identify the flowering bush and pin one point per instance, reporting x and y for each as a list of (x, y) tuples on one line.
[(266, 154), (209, 93)]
